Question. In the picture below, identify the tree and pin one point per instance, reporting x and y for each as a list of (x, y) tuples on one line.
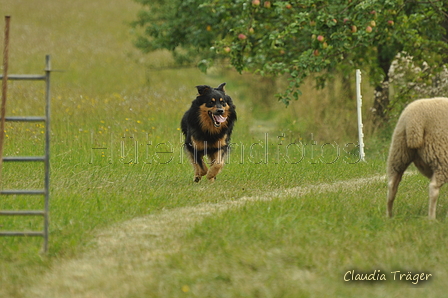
[(299, 38)]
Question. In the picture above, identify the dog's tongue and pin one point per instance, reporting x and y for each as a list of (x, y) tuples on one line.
[(220, 118)]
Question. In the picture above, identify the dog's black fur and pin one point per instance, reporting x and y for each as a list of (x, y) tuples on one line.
[(207, 127)]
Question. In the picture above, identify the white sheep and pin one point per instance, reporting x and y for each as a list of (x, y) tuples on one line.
[(420, 136)]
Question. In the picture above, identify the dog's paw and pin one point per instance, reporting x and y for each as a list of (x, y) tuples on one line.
[(197, 179)]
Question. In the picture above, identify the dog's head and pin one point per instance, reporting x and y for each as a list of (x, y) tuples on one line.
[(215, 105)]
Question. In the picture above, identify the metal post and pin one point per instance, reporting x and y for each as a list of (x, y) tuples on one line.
[(359, 105), (47, 150), (4, 88)]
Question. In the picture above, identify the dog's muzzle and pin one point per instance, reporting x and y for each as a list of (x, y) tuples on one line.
[(217, 117)]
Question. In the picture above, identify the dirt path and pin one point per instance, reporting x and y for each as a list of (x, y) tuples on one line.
[(122, 255)]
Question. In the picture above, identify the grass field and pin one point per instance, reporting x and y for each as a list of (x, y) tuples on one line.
[(292, 212)]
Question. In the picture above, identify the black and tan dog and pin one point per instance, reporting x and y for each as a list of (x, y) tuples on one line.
[(207, 127)]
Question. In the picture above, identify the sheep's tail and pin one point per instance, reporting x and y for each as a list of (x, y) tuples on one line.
[(414, 133)]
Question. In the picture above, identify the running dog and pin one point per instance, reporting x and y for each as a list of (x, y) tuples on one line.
[(207, 127)]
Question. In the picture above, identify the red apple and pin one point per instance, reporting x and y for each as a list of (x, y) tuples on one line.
[(316, 52), (227, 49), (368, 29), (390, 23), (320, 38), (288, 6), (267, 4), (242, 36), (256, 2)]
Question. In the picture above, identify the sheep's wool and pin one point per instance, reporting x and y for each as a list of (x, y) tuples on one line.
[(421, 137)]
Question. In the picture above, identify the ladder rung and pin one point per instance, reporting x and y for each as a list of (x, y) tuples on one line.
[(24, 158), (24, 77), (25, 119), (23, 192), (22, 212), (12, 233)]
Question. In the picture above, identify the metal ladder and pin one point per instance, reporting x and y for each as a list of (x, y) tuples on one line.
[(45, 159)]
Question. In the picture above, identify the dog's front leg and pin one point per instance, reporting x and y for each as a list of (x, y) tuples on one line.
[(199, 166), (200, 169), (217, 163)]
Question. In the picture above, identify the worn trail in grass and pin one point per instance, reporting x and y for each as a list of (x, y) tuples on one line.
[(120, 260)]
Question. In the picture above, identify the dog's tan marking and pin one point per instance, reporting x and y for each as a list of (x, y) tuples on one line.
[(205, 121), (201, 145), (198, 145), (220, 143)]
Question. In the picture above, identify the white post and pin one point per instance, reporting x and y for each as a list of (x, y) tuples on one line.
[(359, 105)]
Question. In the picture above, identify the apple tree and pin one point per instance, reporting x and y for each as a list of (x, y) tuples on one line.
[(299, 38)]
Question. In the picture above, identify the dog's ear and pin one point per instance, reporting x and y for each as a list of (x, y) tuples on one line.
[(202, 89), (221, 87)]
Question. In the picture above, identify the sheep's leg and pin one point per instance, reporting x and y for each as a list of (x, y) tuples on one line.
[(434, 188), (398, 161), (394, 181)]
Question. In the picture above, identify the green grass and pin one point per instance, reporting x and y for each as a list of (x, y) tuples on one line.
[(290, 246), (302, 247)]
